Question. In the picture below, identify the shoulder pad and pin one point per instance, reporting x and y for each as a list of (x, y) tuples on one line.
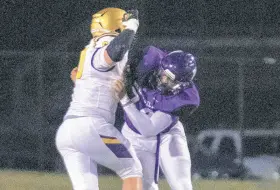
[(151, 59)]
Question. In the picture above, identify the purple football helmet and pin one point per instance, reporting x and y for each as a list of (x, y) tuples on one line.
[(177, 70)]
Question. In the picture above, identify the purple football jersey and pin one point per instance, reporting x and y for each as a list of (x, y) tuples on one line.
[(153, 99)]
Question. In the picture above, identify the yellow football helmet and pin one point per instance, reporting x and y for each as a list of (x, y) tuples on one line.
[(108, 21)]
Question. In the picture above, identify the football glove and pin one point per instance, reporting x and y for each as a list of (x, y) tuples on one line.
[(130, 20)]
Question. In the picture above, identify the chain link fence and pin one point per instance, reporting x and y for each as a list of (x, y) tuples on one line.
[(237, 90)]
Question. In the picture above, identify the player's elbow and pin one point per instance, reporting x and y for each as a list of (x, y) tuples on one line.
[(107, 58)]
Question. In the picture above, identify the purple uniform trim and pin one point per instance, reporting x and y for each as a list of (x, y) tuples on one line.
[(156, 173), (119, 150), (107, 137), (92, 64), (130, 125)]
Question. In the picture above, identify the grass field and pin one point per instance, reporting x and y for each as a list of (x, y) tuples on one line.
[(19, 180)]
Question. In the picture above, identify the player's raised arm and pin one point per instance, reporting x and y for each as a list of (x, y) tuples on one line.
[(120, 45)]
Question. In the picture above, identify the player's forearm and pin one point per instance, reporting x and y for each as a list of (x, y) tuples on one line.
[(139, 120), (147, 126), (119, 46)]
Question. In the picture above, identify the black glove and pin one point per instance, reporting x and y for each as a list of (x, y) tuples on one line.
[(129, 79)]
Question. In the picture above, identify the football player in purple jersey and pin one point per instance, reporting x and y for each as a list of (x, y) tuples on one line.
[(162, 91)]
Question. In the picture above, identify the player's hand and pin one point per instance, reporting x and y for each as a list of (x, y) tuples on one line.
[(73, 74), (118, 86), (130, 20)]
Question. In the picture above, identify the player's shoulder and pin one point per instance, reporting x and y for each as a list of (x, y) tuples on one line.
[(190, 95), (152, 50), (187, 97), (152, 55), (188, 100)]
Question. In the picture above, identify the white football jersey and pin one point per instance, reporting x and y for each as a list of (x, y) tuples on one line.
[(93, 93)]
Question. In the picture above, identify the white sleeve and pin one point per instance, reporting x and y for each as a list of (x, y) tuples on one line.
[(148, 126), (98, 61)]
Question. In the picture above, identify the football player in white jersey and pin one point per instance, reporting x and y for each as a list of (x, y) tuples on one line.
[(87, 136), (164, 91)]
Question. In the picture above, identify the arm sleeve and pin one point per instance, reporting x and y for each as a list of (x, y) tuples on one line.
[(148, 126), (120, 45)]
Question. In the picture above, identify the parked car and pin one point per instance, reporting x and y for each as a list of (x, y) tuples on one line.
[(232, 154)]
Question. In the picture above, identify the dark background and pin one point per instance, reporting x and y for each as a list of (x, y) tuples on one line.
[(41, 41), (30, 25)]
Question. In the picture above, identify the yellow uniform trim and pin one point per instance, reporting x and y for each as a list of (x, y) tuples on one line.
[(81, 63), (111, 141)]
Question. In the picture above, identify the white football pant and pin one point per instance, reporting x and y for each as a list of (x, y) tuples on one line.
[(85, 142), (173, 157)]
